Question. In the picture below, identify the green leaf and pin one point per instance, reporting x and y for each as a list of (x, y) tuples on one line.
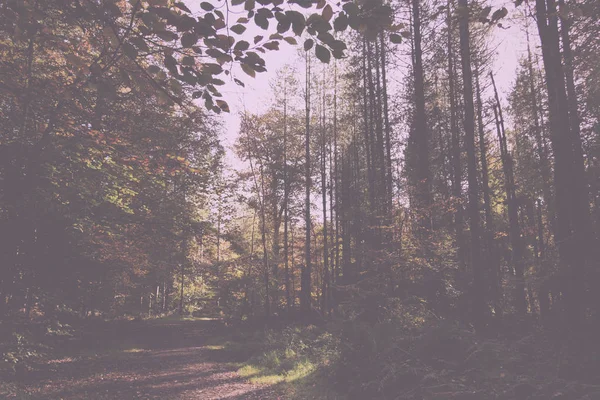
[(499, 14), (395, 38), (322, 54), (308, 44), (291, 40), (139, 43), (206, 6), (298, 22), (153, 69), (248, 70), (485, 12), (189, 39), (242, 45), (167, 36), (223, 105), (341, 23), (130, 50), (271, 46), (183, 7), (327, 13), (171, 64), (239, 29), (284, 25), (261, 21), (351, 8)]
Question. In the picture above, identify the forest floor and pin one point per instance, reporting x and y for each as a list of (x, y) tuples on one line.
[(154, 359)]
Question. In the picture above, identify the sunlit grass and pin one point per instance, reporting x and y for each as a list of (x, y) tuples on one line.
[(177, 318), (271, 369), (134, 350), (215, 347)]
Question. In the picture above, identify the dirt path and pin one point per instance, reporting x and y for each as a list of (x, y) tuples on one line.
[(141, 360)]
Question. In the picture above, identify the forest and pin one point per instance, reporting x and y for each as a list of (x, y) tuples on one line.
[(300, 199)]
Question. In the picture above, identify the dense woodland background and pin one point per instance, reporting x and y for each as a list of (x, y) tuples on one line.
[(389, 193)]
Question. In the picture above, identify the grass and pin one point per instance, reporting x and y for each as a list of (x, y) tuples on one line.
[(274, 372), (293, 359), (134, 350), (176, 317)]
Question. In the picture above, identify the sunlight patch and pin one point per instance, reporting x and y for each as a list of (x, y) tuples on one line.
[(134, 351)]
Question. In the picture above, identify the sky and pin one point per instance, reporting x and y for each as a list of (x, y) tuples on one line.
[(254, 97)]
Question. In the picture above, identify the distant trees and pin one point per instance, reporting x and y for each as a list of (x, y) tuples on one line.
[(98, 170), (437, 186)]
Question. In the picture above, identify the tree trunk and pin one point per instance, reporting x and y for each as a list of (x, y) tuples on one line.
[(388, 143), (513, 212), (568, 235), (456, 153), (183, 261), (540, 146), (305, 298), (288, 298), (478, 297), (421, 133), (493, 260), (325, 283)]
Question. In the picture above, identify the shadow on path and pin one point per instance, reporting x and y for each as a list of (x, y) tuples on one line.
[(146, 360)]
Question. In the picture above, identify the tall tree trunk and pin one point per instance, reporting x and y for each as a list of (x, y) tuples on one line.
[(260, 193), (371, 131), (305, 298), (567, 234), (513, 212), (584, 231), (292, 269), (263, 233), (325, 288), (183, 262), (493, 261), (276, 245), (540, 146), (382, 214), (219, 206), (421, 133), (335, 180), (456, 151), (288, 299), (478, 297), (386, 120)]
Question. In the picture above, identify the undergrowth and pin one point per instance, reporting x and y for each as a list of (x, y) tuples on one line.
[(22, 343), (296, 359)]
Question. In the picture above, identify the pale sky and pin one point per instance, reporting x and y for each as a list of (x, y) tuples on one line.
[(255, 97)]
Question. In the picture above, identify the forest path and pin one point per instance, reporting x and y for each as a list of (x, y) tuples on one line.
[(162, 359)]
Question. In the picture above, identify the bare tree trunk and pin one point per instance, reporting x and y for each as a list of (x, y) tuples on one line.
[(288, 299), (386, 120), (478, 297), (325, 288), (513, 212), (421, 133), (493, 259), (264, 244), (183, 261), (541, 148), (567, 233), (367, 124), (333, 193), (305, 298), (456, 152)]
